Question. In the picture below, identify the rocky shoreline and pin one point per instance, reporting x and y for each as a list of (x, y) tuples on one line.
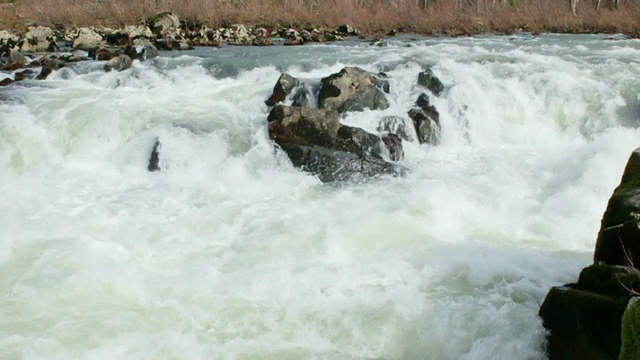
[(164, 31)]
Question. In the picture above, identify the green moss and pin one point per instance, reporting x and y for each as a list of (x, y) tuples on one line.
[(631, 333)]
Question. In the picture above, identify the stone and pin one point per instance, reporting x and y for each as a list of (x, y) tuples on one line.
[(584, 319), (583, 325), (315, 141), (353, 89), (86, 39), (6, 82), (119, 63), (427, 79), (285, 84), (394, 125), (154, 159), (347, 30), (630, 333), (17, 58), (618, 240), (394, 146), (101, 54), (141, 49), (39, 39), (426, 121)]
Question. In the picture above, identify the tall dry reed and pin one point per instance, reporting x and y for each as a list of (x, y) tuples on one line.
[(370, 16)]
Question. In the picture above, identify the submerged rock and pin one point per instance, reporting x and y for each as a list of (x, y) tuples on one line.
[(154, 159), (353, 89), (315, 141)]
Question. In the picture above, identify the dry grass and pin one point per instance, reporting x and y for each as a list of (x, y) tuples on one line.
[(370, 16)]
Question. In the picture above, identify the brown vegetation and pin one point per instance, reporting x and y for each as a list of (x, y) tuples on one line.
[(370, 16)]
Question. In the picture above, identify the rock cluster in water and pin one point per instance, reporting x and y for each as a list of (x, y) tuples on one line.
[(594, 317), (316, 141)]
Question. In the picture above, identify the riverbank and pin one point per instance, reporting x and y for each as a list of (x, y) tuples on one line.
[(371, 17)]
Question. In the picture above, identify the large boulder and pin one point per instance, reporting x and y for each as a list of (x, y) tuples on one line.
[(39, 39), (353, 89), (619, 237), (315, 141), (86, 39), (584, 319)]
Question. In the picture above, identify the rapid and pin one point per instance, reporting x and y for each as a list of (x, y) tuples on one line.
[(230, 252)]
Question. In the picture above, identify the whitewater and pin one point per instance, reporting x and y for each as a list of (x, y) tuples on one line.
[(230, 252)]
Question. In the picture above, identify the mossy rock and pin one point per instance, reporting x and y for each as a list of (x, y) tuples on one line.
[(619, 237), (630, 333), (615, 282)]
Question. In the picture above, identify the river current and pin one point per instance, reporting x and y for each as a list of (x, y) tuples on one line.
[(230, 252)]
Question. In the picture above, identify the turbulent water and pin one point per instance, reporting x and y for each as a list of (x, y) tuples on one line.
[(232, 253)]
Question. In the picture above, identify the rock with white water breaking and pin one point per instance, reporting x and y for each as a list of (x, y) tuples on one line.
[(285, 84), (316, 142), (353, 89), (426, 121), (427, 79), (119, 63), (141, 49)]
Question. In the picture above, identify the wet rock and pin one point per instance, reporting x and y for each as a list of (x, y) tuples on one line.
[(315, 141), (6, 82), (154, 159), (619, 237), (49, 65), (141, 49), (394, 146), (39, 39), (394, 125), (285, 84), (86, 39), (119, 63), (353, 89), (430, 81), (44, 73), (584, 319), (426, 121)]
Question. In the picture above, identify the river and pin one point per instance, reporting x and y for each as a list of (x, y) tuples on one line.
[(230, 252)]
